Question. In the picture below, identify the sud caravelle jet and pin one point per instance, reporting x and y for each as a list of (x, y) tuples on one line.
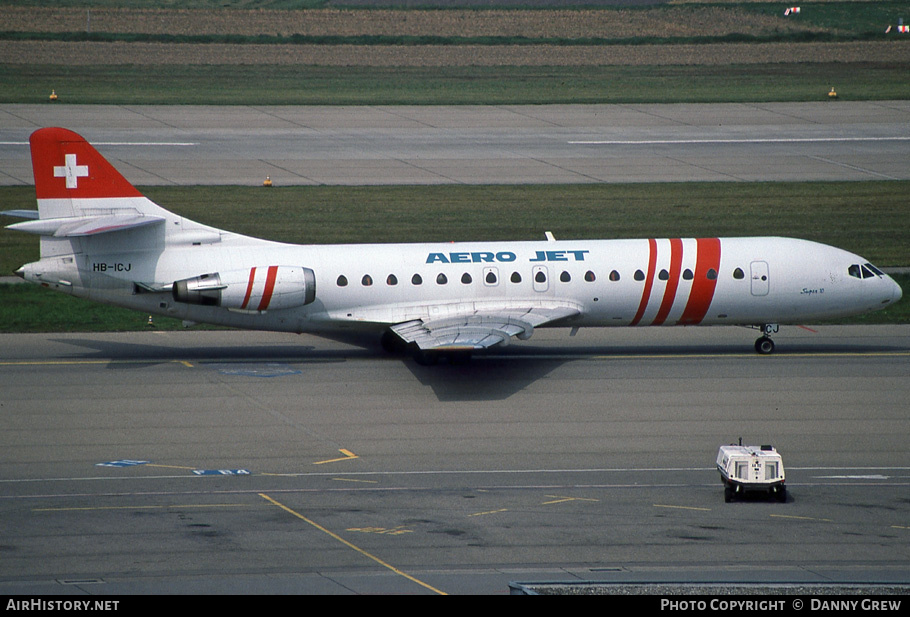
[(102, 239)]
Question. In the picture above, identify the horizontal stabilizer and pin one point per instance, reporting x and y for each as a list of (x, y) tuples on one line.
[(81, 226), (22, 214)]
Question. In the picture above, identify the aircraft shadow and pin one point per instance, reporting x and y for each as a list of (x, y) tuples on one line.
[(125, 356), (491, 376), (487, 378), (482, 379)]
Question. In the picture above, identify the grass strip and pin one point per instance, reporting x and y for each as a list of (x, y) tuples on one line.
[(303, 39), (318, 85)]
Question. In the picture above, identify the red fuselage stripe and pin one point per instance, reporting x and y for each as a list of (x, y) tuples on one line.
[(676, 251), (269, 288), (649, 281), (703, 287)]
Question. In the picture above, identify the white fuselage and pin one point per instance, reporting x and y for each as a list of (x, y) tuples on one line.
[(743, 281)]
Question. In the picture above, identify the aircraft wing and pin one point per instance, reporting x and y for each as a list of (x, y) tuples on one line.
[(478, 330)]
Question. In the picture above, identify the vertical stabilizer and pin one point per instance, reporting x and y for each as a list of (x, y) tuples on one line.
[(84, 204), (71, 175), (80, 194)]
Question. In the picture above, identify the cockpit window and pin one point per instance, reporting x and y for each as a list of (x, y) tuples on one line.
[(865, 271), (875, 270)]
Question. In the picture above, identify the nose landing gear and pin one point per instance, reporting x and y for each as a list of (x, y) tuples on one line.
[(764, 345)]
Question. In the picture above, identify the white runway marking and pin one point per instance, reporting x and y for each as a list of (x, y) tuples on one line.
[(118, 143), (771, 140)]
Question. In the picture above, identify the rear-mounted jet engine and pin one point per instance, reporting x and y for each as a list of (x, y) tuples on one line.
[(256, 289)]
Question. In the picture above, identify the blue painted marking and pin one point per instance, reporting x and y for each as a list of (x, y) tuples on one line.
[(257, 370), (221, 472), (121, 463)]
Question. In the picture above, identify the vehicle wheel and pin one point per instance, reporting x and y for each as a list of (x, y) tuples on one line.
[(764, 345), (782, 495), (728, 494)]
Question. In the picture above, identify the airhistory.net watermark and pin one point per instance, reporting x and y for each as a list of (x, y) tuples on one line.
[(39, 604)]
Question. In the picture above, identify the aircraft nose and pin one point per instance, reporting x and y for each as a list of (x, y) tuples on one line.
[(897, 292)]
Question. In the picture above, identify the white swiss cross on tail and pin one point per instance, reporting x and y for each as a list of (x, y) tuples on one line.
[(71, 171)]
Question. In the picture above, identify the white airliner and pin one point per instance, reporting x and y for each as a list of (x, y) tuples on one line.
[(102, 239)]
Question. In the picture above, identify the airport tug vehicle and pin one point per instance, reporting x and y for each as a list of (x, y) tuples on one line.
[(751, 469)]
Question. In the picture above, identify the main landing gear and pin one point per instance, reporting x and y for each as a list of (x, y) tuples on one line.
[(764, 345), (393, 344), (432, 357)]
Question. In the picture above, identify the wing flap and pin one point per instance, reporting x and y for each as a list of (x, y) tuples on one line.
[(478, 330)]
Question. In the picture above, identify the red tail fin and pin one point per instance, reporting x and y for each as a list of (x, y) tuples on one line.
[(68, 167)]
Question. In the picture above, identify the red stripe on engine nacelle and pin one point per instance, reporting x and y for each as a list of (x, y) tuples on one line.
[(703, 287), (269, 288), (249, 288)]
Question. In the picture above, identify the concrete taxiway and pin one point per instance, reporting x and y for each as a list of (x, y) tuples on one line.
[(151, 145), (230, 462)]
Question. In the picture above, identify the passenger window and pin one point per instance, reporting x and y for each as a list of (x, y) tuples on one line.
[(663, 275), (589, 276), (614, 276), (342, 281), (416, 280), (491, 278), (639, 275), (712, 274), (540, 277), (367, 280), (392, 280), (441, 279), (565, 277), (516, 277), (466, 278), (687, 275), (738, 274)]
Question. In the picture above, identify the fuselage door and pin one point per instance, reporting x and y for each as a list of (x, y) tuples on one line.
[(541, 278), (761, 284)]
